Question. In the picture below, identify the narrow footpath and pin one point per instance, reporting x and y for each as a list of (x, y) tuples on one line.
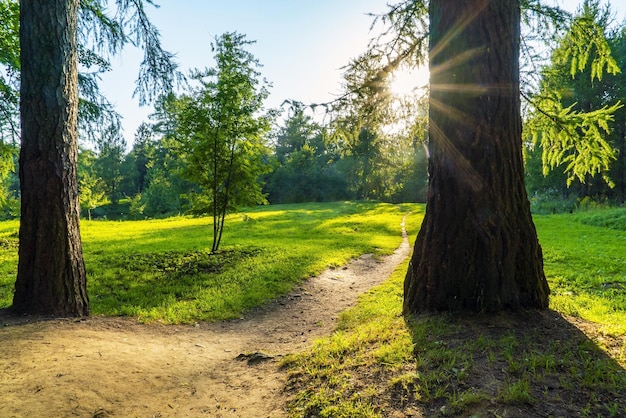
[(115, 367)]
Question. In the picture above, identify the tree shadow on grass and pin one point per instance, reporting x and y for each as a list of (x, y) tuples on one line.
[(531, 364)]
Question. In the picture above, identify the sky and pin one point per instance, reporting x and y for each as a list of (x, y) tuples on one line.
[(302, 45)]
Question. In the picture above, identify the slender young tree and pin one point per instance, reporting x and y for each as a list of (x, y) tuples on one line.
[(221, 127), (477, 249)]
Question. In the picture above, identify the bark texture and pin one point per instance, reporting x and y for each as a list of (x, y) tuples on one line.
[(51, 278), (477, 249)]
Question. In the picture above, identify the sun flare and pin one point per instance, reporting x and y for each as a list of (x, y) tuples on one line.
[(406, 82)]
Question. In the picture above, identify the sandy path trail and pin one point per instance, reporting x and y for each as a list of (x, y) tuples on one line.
[(113, 367)]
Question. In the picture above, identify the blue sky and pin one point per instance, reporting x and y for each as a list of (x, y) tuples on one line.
[(302, 44)]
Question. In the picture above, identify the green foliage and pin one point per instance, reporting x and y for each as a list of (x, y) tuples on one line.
[(91, 188), (575, 139), (163, 270), (9, 33), (585, 45), (9, 61), (552, 202), (148, 176), (575, 108), (221, 131), (375, 131), (160, 198), (108, 165), (9, 101), (138, 162), (101, 35), (306, 164)]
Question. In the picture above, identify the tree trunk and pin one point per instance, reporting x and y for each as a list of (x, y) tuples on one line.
[(51, 277), (621, 161), (477, 249)]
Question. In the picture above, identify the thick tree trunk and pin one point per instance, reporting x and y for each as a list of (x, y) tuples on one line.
[(51, 272), (477, 249)]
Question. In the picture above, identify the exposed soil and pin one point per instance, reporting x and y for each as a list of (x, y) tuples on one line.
[(101, 367)]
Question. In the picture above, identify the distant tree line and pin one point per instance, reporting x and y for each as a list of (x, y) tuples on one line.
[(303, 162), (361, 154)]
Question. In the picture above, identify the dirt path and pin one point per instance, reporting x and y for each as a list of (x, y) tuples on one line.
[(111, 367)]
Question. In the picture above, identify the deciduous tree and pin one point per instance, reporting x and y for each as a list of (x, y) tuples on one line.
[(221, 126)]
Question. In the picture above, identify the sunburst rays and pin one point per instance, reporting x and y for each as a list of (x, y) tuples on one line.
[(449, 77)]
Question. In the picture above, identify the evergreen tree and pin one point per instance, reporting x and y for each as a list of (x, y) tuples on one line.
[(575, 109), (51, 277), (306, 164), (477, 248), (111, 150)]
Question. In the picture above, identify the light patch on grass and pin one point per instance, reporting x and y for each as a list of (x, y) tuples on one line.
[(161, 270), (443, 365), (585, 263)]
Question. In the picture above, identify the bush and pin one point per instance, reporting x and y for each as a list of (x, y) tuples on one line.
[(10, 209)]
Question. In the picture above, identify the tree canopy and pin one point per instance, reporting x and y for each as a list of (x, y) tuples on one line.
[(574, 110)]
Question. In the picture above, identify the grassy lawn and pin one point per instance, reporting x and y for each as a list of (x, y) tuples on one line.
[(585, 262), (377, 364), (161, 270), (568, 361)]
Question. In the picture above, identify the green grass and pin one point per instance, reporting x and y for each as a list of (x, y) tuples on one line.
[(585, 262), (528, 364), (377, 364), (161, 270)]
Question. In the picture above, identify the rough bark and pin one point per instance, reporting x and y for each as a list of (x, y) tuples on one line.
[(51, 278), (477, 249)]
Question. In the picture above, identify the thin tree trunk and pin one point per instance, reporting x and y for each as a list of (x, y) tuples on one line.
[(621, 175), (226, 193), (216, 156), (477, 249), (51, 276)]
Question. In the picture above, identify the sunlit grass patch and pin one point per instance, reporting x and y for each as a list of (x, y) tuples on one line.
[(8, 260), (585, 263), (162, 270), (529, 364)]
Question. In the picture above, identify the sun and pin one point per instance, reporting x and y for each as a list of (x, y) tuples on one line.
[(405, 82)]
